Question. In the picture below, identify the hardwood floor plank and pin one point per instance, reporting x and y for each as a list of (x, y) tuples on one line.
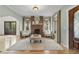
[(43, 52)]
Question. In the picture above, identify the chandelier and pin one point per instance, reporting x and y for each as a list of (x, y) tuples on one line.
[(35, 8)]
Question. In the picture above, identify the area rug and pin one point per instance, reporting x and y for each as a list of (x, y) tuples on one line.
[(46, 44)]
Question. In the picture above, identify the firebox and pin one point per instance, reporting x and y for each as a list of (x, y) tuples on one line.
[(37, 31)]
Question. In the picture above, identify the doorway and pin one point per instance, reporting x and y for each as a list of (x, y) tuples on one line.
[(10, 28), (74, 28), (57, 27)]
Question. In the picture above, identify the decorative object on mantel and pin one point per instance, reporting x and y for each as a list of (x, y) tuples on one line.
[(37, 20)]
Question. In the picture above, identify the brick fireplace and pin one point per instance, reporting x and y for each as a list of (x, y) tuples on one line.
[(37, 27)]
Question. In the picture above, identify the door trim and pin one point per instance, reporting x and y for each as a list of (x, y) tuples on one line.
[(71, 26)]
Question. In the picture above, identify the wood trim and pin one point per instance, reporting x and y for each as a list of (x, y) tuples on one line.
[(23, 24), (59, 27), (71, 26)]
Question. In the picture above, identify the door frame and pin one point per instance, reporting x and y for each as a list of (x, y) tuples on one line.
[(71, 26), (57, 23)]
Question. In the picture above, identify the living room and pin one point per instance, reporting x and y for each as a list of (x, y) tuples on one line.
[(34, 27), (15, 27)]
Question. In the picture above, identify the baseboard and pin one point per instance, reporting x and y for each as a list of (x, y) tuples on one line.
[(65, 48)]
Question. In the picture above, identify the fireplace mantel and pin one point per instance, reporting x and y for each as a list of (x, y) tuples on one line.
[(37, 26)]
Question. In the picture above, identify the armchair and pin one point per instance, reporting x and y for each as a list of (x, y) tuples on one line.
[(25, 33)]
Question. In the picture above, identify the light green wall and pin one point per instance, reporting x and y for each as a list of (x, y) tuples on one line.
[(4, 12), (64, 25)]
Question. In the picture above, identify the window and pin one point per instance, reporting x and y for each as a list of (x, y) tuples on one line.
[(76, 24), (47, 25), (10, 27)]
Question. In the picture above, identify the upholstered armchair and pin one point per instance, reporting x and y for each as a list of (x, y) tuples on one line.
[(25, 33)]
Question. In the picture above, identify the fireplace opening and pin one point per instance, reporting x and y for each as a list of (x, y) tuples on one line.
[(37, 31)]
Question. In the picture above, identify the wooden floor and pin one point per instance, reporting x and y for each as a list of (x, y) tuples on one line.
[(43, 52), (49, 52)]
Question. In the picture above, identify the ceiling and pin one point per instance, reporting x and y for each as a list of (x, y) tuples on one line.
[(27, 10)]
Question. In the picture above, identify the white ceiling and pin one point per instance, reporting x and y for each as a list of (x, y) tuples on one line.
[(26, 10)]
